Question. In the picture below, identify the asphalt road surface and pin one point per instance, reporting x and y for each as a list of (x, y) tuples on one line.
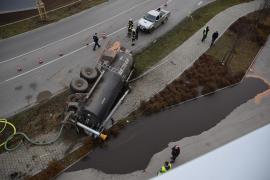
[(21, 89)]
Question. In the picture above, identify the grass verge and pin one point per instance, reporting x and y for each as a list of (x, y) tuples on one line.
[(33, 23), (41, 119), (180, 33), (203, 79), (222, 65)]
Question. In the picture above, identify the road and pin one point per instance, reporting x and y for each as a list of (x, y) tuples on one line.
[(69, 36)]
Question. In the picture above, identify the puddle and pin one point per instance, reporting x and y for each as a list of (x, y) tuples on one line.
[(33, 85), (137, 143), (44, 95), (17, 88)]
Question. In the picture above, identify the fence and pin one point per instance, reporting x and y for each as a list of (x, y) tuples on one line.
[(54, 15), (67, 5)]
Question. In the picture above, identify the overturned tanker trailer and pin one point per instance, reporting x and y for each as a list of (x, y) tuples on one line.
[(90, 108)]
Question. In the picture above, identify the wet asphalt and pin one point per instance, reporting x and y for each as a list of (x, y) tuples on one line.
[(138, 142)]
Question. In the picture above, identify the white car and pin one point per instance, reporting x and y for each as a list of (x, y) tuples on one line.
[(153, 19)]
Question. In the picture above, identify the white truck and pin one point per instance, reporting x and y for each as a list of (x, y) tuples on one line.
[(153, 19)]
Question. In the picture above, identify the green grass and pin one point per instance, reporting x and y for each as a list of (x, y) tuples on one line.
[(180, 33), (30, 24)]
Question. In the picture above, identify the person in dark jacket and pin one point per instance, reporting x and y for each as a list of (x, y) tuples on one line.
[(205, 33), (214, 37), (137, 32), (175, 153), (95, 38)]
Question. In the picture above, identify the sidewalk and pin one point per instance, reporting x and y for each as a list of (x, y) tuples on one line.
[(242, 120), (143, 89), (172, 66)]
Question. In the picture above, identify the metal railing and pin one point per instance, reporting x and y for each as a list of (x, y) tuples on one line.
[(53, 10)]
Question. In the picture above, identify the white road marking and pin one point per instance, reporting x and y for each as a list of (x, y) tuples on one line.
[(102, 22), (14, 77), (43, 65), (70, 53)]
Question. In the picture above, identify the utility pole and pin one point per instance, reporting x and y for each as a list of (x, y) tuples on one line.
[(41, 10)]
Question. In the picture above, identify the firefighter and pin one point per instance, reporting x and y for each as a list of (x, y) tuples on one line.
[(130, 27), (133, 38), (166, 167), (137, 32)]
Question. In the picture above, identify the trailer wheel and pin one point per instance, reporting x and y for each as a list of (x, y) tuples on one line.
[(165, 20), (89, 74), (78, 85)]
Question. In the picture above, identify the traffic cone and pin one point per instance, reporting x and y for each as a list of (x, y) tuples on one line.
[(40, 61), (166, 3), (19, 68), (61, 53), (103, 35)]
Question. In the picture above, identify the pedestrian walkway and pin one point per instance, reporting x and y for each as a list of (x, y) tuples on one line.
[(244, 119), (181, 58), (143, 89)]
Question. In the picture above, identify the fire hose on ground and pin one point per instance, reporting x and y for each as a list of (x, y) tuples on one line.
[(15, 133)]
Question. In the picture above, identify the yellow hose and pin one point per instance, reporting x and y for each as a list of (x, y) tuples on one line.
[(15, 133), (5, 122)]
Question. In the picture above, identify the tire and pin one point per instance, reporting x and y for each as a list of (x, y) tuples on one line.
[(78, 85), (151, 30), (89, 74), (165, 20)]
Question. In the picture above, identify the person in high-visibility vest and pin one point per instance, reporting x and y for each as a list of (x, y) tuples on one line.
[(137, 32), (133, 37), (130, 27), (166, 167), (205, 33)]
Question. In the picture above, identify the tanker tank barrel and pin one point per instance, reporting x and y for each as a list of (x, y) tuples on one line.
[(94, 86), (110, 87), (114, 109)]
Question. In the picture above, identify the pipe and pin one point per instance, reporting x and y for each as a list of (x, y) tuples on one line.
[(102, 136), (5, 143), (94, 86), (130, 74), (5, 122), (114, 109)]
